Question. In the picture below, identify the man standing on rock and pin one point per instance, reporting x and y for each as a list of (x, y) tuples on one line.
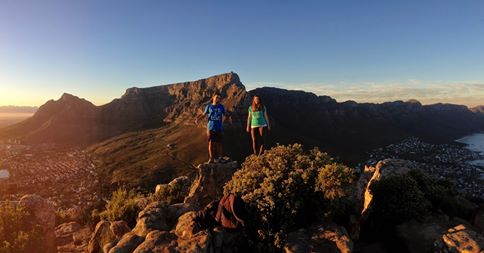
[(215, 112)]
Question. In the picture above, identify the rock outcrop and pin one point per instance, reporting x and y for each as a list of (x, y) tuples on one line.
[(106, 233), (319, 238), (383, 169), (460, 239), (72, 238), (209, 183), (173, 228)]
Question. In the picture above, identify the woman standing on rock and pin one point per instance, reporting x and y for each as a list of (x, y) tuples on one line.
[(258, 124)]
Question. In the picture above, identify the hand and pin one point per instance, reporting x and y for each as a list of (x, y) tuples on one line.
[(248, 130), (269, 128)]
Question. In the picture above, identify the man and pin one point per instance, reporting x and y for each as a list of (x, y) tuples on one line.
[(215, 112)]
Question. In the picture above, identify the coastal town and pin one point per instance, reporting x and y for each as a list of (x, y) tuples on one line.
[(445, 161), (66, 178)]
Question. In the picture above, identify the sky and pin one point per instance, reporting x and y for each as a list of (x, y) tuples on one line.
[(367, 51)]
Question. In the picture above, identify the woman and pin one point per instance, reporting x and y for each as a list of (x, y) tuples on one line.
[(258, 124)]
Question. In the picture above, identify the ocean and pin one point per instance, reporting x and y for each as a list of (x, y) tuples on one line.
[(474, 142)]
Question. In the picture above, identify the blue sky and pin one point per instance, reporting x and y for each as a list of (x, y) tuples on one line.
[(361, 50)]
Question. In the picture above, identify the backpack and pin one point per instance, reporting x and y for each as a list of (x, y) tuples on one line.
[(231, 212)]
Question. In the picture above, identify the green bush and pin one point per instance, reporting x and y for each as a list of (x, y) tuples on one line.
[(281, 188), (397, 199), (441, 193), (16, 235), (337, 183), (169, 193), (123, 205)]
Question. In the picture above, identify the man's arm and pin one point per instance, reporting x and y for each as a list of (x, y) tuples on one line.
[(203, 113)]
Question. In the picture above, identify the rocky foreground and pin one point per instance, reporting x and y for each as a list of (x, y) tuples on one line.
[(179, 227)]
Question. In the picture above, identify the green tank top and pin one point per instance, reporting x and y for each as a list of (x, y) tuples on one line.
[(257, 117)]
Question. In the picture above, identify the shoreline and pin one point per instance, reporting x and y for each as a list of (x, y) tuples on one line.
[(474, 142)]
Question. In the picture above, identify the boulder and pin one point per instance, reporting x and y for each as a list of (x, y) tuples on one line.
[(383, 169), (76, 242), (128, 243), (153, 217), (209, 183), (419, 236), (158, 241), (42, 214), (197, 243), (319, 238), (187, 225), (119, 228), (460, 239), (64, 233), (106, 232)]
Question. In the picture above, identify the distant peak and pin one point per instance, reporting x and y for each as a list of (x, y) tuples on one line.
[(414, 101), (71, 99), (67, 96)]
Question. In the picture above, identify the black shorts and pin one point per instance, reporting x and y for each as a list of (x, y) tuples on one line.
[(215, 136)]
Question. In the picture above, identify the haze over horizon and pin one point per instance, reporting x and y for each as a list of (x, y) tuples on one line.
[(367, 52)]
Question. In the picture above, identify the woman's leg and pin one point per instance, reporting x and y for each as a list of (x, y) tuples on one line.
[(262, 134), (254, 140)]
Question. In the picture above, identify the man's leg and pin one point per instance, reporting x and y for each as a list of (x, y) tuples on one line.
[(219, 149), (210, 149), (210, 146)]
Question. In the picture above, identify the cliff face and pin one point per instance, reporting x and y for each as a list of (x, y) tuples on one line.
[(351, 127), (74, 121)]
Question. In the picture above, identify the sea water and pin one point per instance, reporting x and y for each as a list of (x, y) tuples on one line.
[(475, 142)]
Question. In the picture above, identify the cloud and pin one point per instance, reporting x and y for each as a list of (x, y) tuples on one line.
[(470, 93)]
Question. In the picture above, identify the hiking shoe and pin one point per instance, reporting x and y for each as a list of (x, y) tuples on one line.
[(223, 159), (211, 160), (218, 160)]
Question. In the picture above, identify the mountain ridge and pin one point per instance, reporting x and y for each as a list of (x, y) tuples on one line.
[(299, 116)]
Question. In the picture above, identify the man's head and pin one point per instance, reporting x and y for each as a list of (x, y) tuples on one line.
[(216, 99)]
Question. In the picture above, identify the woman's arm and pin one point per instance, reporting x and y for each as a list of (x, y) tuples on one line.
[(248, 122), (267, 120)]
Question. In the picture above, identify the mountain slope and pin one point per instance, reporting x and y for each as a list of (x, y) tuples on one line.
[(132, 132), (73, 121), (67, 120)]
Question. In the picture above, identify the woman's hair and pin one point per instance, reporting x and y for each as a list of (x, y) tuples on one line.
[(257, 107)]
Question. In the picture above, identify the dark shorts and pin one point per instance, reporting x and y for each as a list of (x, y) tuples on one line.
[(215, 136)]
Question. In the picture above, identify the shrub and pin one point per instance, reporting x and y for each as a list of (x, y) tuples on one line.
[(337, 183), (16, 235), (123, 205), (441, 193), (169, 193), (279, 188), (397, 199)]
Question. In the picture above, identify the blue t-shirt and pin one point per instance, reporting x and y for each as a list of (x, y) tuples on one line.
[(214, 113)]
